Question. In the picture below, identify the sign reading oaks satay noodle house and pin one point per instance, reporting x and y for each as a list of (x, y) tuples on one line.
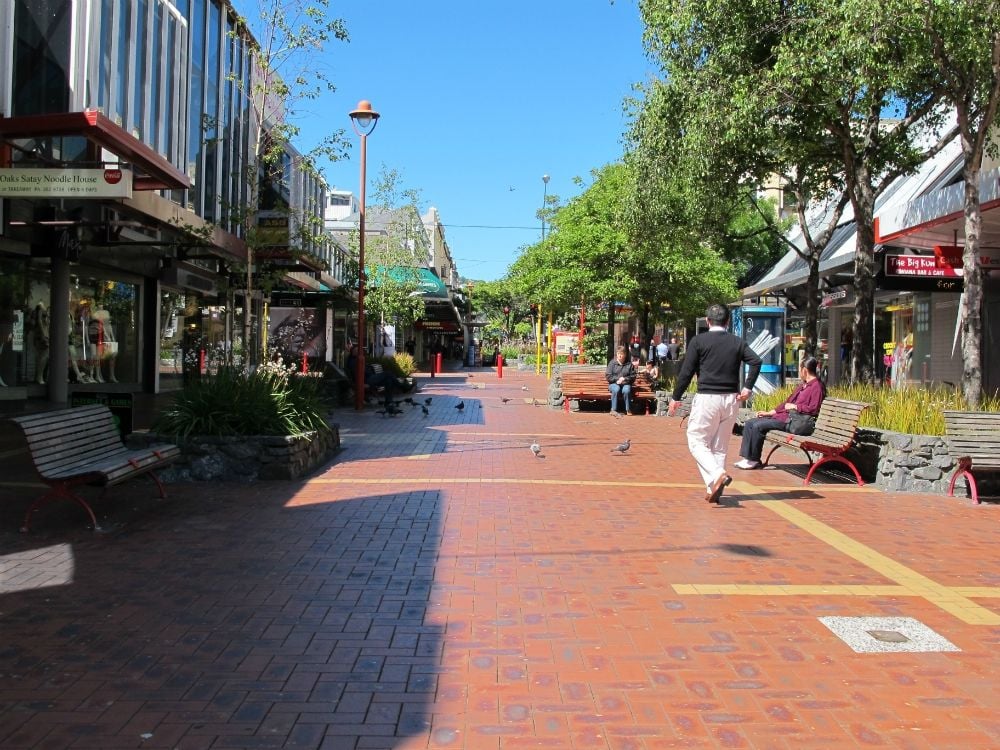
[(66, 183)]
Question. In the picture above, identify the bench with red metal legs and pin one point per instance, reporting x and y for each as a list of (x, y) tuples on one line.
[(587, 383), (973, 439), (835, 432), (71, 447)]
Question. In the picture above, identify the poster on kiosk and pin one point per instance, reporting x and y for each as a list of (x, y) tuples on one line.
[(763, 328)]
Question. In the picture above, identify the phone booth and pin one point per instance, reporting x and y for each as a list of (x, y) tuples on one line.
[(763, 328)]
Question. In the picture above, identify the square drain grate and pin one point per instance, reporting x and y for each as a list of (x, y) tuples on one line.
[(872, 635)]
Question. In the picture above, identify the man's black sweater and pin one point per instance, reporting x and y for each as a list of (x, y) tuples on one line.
[(715, 357)]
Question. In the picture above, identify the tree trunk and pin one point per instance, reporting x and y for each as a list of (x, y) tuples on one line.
[(972, 297), (863, 351), (812, 307), (611, 330)]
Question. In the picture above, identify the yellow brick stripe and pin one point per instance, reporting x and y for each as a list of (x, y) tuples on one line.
[(949, 599)]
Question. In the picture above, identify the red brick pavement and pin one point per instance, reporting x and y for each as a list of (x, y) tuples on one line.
[(438, 586)]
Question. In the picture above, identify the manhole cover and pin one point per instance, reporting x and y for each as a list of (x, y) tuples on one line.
[(869, 635), (888, 636)]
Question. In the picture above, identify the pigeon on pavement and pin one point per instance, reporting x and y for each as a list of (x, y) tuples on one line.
[(622, 447), (504, 399), (524, 387), (427, 401), (536, 449), (425, 410), (460, 405)]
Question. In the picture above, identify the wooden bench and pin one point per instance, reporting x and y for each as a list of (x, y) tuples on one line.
[(836, 429), (70, 447), (973, 439), (587, 383)]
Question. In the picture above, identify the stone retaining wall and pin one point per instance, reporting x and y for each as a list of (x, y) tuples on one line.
[(904, 463), (246, 459)]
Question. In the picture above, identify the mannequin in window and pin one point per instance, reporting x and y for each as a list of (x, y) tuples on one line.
[(38, 321), (78, 343), (103, 345)]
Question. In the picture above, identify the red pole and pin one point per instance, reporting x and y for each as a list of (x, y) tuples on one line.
[(499, 367), (359, 368), (305, 362), (438, 361)]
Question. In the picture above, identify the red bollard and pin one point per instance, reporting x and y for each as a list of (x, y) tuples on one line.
[(437, 361), (305, 362), (499, 367)]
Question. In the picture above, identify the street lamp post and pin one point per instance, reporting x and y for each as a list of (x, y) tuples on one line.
[(363, 119), (545, 196)]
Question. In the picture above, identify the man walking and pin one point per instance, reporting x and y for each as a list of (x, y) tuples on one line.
[(716, 357)]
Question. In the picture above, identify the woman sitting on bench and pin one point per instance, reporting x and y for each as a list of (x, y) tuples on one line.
[(805, 399)]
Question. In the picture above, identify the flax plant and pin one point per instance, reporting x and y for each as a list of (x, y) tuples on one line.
[(269, 400)]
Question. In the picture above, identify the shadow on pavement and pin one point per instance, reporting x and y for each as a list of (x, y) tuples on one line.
[(230, 615)]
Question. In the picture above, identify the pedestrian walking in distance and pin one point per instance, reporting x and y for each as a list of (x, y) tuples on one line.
[(716, 357)]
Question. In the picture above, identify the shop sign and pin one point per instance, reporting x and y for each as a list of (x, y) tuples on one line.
[(120, 405), (65, 183), (435, 325), (923, 266), (829, 299)]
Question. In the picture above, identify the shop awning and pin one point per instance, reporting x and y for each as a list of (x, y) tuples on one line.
[(152, 171), (431, 287)]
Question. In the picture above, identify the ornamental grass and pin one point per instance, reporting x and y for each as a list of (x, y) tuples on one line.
[(910, 410)]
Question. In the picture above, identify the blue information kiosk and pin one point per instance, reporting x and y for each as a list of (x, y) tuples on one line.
[(764, 329)]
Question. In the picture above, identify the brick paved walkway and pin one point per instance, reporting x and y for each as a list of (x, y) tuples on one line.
[(440, 587)]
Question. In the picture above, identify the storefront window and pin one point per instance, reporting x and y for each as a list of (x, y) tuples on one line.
[(102, 327), (196, 339), (103, 338), (13, 319)]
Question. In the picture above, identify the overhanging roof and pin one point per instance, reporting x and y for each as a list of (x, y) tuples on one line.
[(938, 218), (153, 171)]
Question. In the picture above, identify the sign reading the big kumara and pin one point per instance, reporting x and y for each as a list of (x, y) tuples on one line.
[(65, 183)]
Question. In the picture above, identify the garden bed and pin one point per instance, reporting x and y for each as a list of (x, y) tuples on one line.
[(247, 459)]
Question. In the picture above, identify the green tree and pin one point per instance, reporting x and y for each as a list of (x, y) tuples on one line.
[(962, 40), (828, 94), (395, 251), (290, 37)]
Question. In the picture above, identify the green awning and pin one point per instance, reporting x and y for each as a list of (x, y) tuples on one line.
[(431, 287)]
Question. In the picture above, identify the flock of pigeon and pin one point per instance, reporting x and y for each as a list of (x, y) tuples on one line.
[(393, 409)]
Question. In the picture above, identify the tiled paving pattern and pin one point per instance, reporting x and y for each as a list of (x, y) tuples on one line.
[(440, 587)]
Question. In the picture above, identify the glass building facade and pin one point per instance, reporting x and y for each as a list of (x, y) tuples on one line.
[(151, 276)]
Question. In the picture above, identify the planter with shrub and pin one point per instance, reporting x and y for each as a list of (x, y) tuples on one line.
[(268, 423)]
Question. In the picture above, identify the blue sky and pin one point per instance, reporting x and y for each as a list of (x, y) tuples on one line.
[(479, 99)]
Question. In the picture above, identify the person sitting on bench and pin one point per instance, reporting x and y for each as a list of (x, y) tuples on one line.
[(375, 380), (805, 399)]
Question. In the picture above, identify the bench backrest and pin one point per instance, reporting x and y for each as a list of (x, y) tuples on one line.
[(377, 368), (838, 420), (975, 434), (65, 438), (593, 375)]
